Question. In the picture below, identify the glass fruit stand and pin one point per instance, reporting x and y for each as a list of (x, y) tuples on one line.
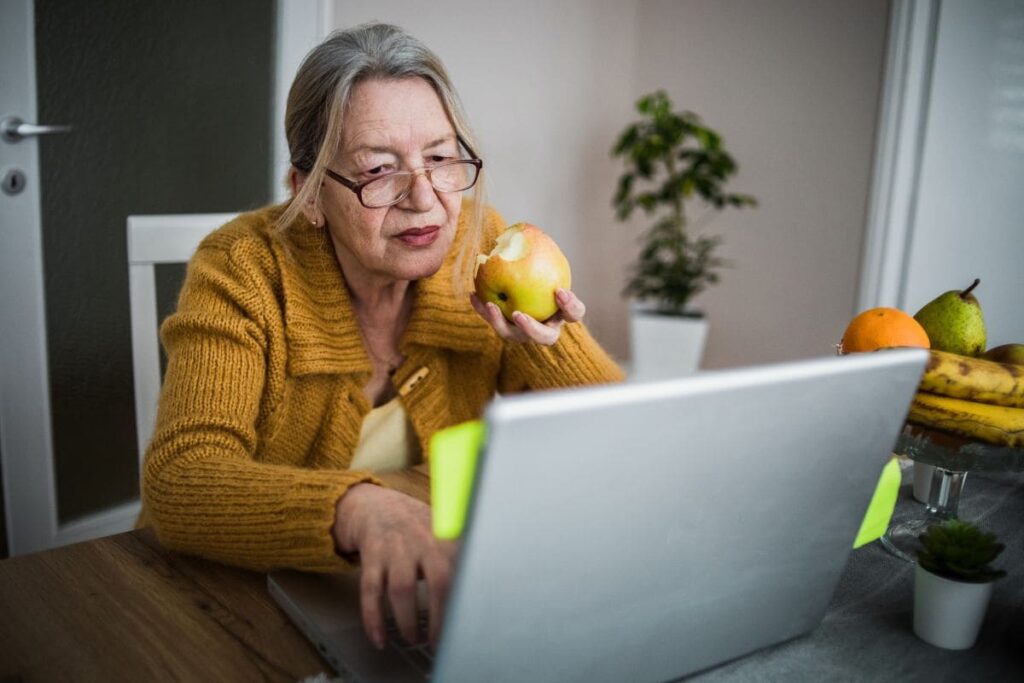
[(953, 457)]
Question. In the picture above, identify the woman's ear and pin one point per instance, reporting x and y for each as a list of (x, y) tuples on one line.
[(296, 180)]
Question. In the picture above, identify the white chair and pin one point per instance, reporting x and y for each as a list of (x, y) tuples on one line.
[(153, 240)]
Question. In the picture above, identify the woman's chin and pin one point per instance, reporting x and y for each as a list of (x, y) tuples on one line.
[(417, 266), (418, 263)]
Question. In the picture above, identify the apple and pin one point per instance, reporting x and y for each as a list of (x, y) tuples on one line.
[(522, 273)]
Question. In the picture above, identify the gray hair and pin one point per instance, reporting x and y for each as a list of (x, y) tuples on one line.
[(323, 86)]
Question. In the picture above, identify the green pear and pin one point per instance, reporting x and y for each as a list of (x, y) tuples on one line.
[(1007, 353), (954, 322)]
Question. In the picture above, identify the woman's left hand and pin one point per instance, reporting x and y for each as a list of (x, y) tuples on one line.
[(523, 328)]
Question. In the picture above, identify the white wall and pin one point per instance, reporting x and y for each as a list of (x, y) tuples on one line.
[(793, 85), (968, 221)]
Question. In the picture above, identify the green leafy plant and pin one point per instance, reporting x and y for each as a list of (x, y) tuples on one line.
[(960, 551), (671, 158)]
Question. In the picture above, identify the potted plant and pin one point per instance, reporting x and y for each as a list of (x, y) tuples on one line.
[(953, 583), (672, 160)]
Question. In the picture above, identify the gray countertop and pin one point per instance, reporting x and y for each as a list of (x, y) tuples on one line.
[(867, 633)]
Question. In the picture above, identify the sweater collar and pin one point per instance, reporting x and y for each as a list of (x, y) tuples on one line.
[(320, 323)]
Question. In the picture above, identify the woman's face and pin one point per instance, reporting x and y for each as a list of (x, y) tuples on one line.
[(392, 125)]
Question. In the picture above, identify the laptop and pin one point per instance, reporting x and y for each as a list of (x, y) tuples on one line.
[(645, 531)]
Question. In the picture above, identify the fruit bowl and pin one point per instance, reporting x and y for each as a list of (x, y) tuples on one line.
[(952, 457), (956, 453)]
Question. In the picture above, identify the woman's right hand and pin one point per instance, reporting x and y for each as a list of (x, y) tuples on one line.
[(522, 328), (393, 536)]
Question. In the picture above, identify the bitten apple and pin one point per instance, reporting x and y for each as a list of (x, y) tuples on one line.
[(522, 273)]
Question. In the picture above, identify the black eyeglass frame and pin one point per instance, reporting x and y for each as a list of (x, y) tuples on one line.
[(358, 187)]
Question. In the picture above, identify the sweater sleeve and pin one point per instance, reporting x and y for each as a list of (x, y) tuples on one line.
[(575, 359), (203, 489)]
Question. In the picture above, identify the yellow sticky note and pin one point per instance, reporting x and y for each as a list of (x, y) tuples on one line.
[(876, 521), (453, 458)]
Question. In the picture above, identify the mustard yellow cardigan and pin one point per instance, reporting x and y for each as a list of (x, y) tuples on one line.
[(262, 401)]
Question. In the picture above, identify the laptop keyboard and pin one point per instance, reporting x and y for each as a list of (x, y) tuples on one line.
[(420, 656)]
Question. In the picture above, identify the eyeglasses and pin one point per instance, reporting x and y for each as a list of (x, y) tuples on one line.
[(450, 176)]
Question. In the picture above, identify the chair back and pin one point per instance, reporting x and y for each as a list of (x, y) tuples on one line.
[(153, 240)]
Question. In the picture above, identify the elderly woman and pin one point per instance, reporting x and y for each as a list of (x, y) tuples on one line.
[(324, 339)]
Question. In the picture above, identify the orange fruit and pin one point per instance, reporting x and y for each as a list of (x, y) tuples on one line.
[(883, 328)]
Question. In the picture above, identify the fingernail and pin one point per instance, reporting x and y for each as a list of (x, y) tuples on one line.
[(562, 295), (518, 316)]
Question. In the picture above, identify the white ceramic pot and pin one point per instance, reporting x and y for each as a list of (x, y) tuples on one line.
[(922, 481), (948, 613), (665, 346)]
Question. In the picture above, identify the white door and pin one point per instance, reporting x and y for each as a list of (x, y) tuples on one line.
[(67, 438)]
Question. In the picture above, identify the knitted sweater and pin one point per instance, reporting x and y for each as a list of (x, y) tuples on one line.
[(262, 400)]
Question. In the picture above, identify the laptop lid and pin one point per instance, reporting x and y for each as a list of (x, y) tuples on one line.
[(647, 531)]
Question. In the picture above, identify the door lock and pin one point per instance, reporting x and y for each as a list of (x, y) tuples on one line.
[(14, 182)]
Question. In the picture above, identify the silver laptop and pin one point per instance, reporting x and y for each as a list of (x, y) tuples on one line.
[(641, 532)]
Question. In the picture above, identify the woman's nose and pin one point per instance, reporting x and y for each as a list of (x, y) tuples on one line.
[(421, 195)]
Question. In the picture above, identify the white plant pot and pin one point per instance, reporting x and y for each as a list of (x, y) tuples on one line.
[(922, 481), (948, 613), (665, 346)]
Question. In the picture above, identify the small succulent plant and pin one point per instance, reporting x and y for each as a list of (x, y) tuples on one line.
[(960, 551)]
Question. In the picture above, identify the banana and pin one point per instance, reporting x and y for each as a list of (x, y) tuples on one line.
[(974, 379), (983, 421)]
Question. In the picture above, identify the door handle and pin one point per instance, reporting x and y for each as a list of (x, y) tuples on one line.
[(14, 129)]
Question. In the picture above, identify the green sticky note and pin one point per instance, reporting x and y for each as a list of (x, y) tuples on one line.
[(876, 521), (453, 456)]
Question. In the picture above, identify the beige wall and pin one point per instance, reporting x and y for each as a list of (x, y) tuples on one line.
[(546, 86), (793, 85)]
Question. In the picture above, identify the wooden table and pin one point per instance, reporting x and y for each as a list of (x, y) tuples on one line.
[(123, 608)]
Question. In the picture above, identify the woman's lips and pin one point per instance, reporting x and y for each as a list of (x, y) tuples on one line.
[(420, 237)]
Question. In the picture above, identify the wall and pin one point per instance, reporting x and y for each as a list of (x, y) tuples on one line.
[(546, 86), (794, 87)]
